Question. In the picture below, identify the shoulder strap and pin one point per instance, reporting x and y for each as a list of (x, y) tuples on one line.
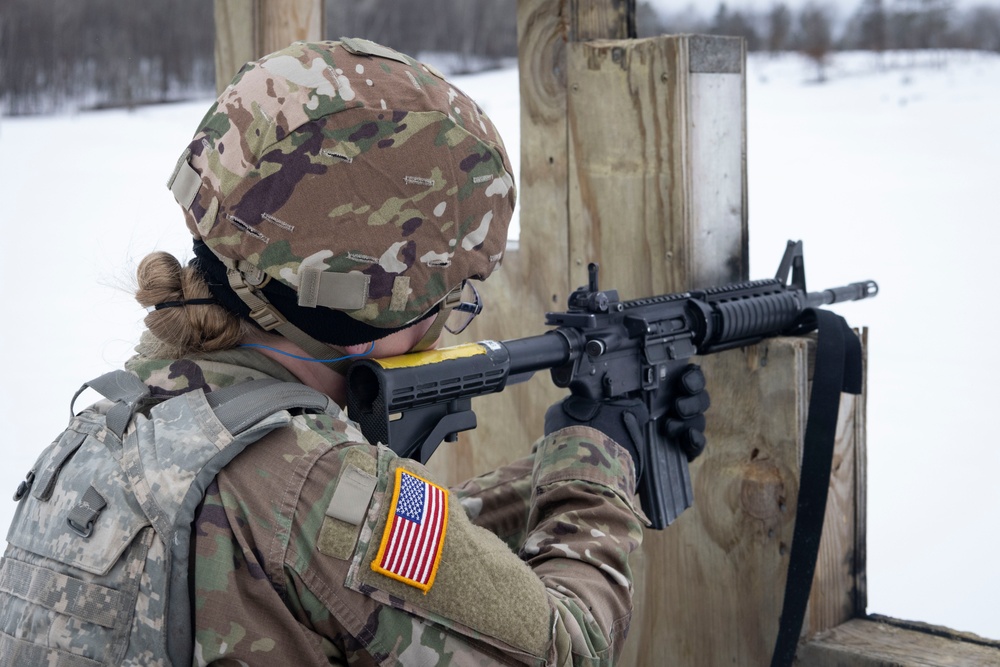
[(838, 368), (125, 389), (240, 406)]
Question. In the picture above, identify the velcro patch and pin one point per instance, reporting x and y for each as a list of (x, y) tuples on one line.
[(400, 293), (354, 492), (414, 533)]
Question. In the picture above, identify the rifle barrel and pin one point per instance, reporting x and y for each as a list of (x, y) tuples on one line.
[(853, 292)]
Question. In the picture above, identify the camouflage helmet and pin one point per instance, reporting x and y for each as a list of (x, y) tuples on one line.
[(352, 176)]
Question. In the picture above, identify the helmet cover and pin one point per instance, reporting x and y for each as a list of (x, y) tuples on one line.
[(352, 174)]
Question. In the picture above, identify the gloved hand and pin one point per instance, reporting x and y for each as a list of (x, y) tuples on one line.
[(622, 420), (684, 422)]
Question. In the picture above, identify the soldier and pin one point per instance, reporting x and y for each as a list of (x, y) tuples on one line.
[(342, 196)]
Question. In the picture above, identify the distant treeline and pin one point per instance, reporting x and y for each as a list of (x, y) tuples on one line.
[(70, 54), (478, 32), (816, 27), (59, 54)]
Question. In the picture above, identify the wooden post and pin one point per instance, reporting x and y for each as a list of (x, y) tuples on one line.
[(710, 587), (516, 304), (638, 160), (657, 191), (657, 136), (887, 642), (249, 29)]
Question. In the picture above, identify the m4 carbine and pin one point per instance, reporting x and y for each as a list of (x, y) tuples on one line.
[(601, 348)]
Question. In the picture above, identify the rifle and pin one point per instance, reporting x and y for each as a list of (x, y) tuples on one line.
[(601, 348)]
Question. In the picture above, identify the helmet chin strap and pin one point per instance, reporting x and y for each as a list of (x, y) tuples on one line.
[(432, 334), (451, 299), (269, 319)]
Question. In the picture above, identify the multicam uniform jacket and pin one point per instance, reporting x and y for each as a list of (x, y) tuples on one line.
[(289, 565)]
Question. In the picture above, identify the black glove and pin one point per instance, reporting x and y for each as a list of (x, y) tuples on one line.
[(622, 420), (685, 419)]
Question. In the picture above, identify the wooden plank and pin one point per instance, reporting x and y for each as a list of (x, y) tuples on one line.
[(536, 276), (709, 589), (601, 19), (657, 163), (872, 643), (716, 126), (235, 38), (834, 588), (860, 562), (285, 21), (624, 164), (249, 29), (541, 30), (514, 304), (657, 133), (838, 585), (711, 585)]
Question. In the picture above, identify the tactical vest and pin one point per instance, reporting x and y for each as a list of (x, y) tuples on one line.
[(96, 568)]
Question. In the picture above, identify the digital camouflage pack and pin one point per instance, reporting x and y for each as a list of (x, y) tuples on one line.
[(96, 568)]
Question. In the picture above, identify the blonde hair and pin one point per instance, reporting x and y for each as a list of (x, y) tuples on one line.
[(184, 330)]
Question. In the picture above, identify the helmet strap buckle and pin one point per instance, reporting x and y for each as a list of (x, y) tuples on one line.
[(451, 299), (261, 311)]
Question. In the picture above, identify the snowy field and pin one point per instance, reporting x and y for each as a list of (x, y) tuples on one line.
[(890, 174)]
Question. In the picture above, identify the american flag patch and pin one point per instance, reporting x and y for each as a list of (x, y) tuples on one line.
[(414, 534)]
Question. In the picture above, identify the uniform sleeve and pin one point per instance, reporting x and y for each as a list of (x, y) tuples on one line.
[(565, 597), (499, 501), (572, 490), (302, 583), (581, 529)]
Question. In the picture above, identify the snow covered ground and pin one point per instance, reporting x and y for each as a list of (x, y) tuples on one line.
[(890, 174)]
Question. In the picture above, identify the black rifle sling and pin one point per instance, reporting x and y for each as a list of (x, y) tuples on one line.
[(837, 369)]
